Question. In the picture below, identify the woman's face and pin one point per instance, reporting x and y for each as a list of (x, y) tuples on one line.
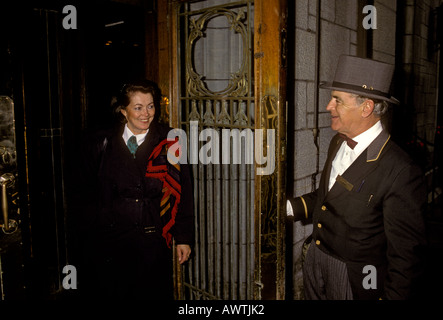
[(140, 112)]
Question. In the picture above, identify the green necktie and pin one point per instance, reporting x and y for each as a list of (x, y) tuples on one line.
[(132, 145)]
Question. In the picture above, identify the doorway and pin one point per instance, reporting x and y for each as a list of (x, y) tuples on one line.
[(227, 79), (64, 86), (56, 83)]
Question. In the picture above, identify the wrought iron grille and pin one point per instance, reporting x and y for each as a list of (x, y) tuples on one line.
[(217, 93)]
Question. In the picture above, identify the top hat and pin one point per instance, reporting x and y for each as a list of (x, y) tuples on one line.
[(365, 77)]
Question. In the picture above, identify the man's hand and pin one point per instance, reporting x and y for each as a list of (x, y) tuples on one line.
[(183, 252)]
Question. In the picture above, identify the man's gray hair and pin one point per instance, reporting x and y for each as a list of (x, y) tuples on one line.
[(380, 106)]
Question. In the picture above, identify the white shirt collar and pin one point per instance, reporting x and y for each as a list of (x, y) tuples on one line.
[(127, 133), (346, 156), (365, 139)]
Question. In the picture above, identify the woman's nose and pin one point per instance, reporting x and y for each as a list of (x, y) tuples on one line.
[(145, 111)]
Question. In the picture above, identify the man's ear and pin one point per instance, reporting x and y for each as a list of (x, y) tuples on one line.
[(368, 108)]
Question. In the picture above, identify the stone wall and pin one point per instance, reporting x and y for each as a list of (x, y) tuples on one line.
[(419, 62)]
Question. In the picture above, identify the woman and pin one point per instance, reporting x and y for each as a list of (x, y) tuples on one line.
[(132, 208)]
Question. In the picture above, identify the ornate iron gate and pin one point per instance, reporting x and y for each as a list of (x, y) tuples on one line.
[(214, 100), (217, 94)]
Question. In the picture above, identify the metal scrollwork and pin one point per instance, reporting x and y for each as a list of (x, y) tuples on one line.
[(237, 85), (8, 167), (7, 155), (216, 89), (269, 183), (269, 112)]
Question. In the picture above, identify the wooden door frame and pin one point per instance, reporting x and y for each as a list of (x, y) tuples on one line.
[(270, 83)]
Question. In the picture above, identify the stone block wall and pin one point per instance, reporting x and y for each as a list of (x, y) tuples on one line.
[(420, 68)]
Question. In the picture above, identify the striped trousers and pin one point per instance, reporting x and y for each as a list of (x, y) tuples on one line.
[(325, 277)]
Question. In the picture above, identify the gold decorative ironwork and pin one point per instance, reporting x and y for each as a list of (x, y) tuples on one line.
[(164, 106), (269, 114), (224, 255), (208, 117), (237, 84), (241, 118), (224, 117), (194, 115)]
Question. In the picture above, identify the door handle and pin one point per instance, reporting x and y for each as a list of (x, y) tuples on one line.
[(7, 180)]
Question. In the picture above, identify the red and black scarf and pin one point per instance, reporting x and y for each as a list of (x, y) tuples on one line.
[(160, 168)]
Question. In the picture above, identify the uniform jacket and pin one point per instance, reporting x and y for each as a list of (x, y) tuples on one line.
[(372, 216)]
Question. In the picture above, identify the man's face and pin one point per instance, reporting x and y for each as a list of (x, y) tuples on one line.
[(346, 113)]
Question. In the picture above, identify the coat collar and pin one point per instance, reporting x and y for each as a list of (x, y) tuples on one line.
[(360, 168), (376, 147), (374, 150), (153, 138)]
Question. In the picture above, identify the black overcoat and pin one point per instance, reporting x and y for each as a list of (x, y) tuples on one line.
[(372, 216), (126, 255)]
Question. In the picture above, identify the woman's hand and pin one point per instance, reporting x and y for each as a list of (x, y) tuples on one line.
[(183, 253)]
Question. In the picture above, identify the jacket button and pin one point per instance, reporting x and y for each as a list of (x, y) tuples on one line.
[(319, 225), (323, 208), (317, 242)]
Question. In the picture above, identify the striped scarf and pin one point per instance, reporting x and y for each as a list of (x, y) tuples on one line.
[(160, 168)]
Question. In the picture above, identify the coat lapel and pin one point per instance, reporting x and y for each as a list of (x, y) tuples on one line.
[(360, 168), (335, 145), (145, 149), (120, 143)]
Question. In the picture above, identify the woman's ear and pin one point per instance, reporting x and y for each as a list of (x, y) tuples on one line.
[(124, 113)]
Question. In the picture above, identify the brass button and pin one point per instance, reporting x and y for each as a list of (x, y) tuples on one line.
[(319, 225), (317, 242), (323, 208)]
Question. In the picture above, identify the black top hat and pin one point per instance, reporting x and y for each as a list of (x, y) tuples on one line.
[(365, 77)]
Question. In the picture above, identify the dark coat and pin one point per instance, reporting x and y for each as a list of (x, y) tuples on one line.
[(373, 215), (121, 208)]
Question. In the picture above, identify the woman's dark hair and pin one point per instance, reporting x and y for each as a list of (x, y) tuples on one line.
[(145, 86)]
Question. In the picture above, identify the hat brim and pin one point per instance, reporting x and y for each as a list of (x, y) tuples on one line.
[(329, 86)]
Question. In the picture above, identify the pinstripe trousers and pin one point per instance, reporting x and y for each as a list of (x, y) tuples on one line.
[(325, 277)]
